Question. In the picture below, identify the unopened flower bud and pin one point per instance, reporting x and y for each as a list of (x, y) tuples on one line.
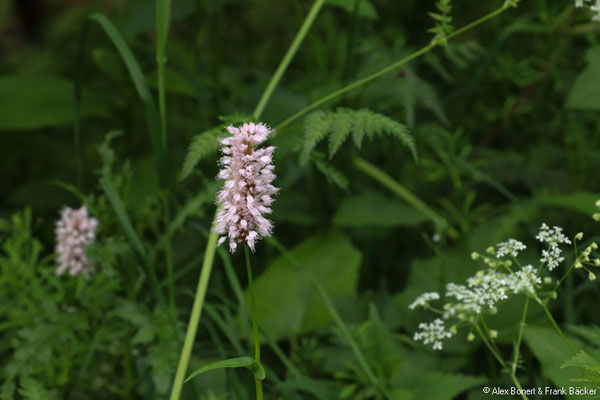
[(547, 280), (493, 334), (474, 255), (471, 337), (592, 276), (579, 236)]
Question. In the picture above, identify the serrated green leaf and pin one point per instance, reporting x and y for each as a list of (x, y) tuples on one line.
[(239, 362), (583, 360)]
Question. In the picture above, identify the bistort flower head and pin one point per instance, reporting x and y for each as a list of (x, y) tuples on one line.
[(247, 193), (74, 231)]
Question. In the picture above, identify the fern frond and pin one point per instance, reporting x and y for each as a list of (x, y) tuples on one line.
[(207, 142), (332, 174), (202, 146), (343, 122), (33, 390), (316, 128), (341, 127)]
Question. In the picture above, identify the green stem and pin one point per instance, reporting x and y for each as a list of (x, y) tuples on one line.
[(190, 335), (399, 190), (169, 260), (513, 376), (387, 69), (163, 17), (556, 327), (520, 336), (258, 382), (289, 55), (209, 255)]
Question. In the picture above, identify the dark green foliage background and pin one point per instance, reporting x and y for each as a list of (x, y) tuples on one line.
[(506, 126)]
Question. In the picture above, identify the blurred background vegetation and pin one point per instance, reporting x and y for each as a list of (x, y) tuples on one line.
[(506, 126)]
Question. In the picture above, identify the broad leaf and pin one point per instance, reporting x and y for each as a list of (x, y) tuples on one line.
[(585, 93), (373, 209), (286, 300), (38, 101)]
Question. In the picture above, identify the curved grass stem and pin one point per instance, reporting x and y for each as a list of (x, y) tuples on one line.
[(287, 58), (192, 327), (422, 51)]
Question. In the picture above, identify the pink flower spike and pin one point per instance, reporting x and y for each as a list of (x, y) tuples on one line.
[(247, 191), (74, 231)]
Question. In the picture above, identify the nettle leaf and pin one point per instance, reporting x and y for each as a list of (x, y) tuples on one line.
[(343, 122), (239, 362), (585, 361)]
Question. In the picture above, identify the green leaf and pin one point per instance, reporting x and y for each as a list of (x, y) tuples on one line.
[(130, 233), (585, 93), (207, 142), (583, 202), (339, 124), (583, 360), (239, 362), (552, 353), (202, 146), (316, 128), (373, 209), (439, 386), (365, 8), (38, 101), (288, 303)]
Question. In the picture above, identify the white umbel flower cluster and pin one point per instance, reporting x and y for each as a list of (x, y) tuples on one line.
[(511, 248), (594, 6), (483, 292), (75, 230), (424, 299), (432, 333), (246, 196), (554, 237)]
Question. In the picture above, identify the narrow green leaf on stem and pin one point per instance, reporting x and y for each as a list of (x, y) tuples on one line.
[(132, 236), (362, 361), (238, 362), (143, 91)]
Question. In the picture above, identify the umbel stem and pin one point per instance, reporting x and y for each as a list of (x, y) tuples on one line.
[(258, 382)]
